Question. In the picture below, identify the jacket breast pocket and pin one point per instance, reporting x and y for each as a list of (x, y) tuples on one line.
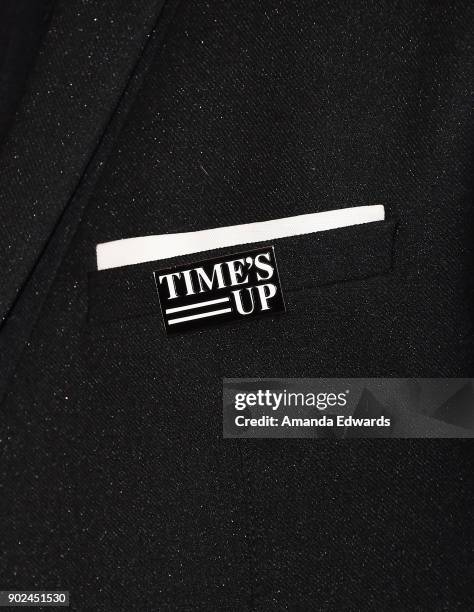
[(327, 278), (305, 262)]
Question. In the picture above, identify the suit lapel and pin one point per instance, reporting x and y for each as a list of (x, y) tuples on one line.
[(85, 62)]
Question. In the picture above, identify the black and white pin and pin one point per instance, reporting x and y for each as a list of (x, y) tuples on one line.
[(227, 288)]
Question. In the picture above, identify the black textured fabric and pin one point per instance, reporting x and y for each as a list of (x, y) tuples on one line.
[(143, 119), (22, 25)]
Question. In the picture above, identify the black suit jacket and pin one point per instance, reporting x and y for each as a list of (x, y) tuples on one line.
[(148, 117)]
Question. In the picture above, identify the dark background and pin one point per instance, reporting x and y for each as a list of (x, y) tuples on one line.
[(115, 481), (22, 26)]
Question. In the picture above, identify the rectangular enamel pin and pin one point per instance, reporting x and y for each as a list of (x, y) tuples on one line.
[(224, 289)]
